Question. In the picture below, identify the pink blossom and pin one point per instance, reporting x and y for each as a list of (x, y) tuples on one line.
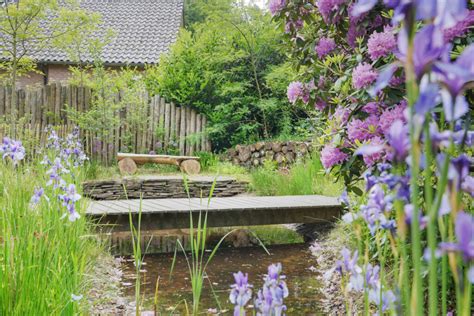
[(327, 7), (371, 108), (295, 91), (331, 156), (381, 44), (363, 75), (391, 115), (325, 46), (461, 28), (320, 105), (341, 115), (276, 6), (373, 158)]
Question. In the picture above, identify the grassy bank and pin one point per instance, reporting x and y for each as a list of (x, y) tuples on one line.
[(44, 256), (303, 178)]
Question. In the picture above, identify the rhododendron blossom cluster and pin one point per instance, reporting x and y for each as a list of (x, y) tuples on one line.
[(397, 95)]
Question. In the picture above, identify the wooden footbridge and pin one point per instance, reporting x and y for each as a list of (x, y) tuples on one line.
[(222, 212)]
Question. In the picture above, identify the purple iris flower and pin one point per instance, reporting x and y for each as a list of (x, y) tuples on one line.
[(459, 169), (372, 275), (241, 293), (468, 185), (464, 231), (269, 299), (399, 140), (373, 213), (408, 210), (444, 13), (35, 199), (427, 99), (428, 47), (362, 6), (443, 139), (69, 199), (456, 75), (12, 149)]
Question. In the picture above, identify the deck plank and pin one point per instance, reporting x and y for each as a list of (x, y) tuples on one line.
[(231, 211)]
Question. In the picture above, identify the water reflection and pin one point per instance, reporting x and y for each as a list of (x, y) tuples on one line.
[(296, 260)]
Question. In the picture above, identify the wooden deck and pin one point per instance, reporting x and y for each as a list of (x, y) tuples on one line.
[(222, 212)]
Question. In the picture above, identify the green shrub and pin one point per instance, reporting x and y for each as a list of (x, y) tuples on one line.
[(303, 178)]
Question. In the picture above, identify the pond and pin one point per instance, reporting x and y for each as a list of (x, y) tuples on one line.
[(295, 258)]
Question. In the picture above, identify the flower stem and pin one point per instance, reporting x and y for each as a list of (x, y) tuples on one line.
[(431, 228)]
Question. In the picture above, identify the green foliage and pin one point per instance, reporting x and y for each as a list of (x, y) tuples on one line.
[(207, 160), (229, 67), (44, 258), (23, 30), (303, 178)]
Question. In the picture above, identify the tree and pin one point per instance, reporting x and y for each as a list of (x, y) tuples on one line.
[(27, 26), (223, 67)]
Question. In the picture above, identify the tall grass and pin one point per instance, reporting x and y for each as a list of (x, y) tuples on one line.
[(303, 178), (43, 256), (198, 260)]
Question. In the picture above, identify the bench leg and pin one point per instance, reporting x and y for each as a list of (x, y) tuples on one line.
[(127, 167), (190, 166)]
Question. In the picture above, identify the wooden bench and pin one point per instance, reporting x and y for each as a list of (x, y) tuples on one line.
[(128, 162)]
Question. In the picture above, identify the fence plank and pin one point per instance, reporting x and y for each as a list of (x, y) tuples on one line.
[(167, 125), (172, 122), (163, 122), (192, 129), (198, 132), (2, 101), (182, 131)]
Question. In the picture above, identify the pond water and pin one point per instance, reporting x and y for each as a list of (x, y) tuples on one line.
[(295, 258)]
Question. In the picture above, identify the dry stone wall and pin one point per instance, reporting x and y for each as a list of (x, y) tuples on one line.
[(283, 153), (161, 187)]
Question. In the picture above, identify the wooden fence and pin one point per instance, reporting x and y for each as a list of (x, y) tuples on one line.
[(151, 124)]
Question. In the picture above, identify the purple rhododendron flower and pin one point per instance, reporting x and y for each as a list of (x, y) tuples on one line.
[(381, 44), (389, 116), (331, 156), (326, 7), (372, 108), (295, 91), (363, 75), (371, 158), (461, 28), (464, 231), (325, 46), (276, 6), (241, 293), (320, 105), (341, 115)]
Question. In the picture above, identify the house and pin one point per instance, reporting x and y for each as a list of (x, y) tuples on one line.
[(143, 30)]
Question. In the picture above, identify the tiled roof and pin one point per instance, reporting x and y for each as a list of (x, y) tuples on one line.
[(143, 30)]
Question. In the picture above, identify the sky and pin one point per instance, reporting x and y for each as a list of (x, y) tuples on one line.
[(260, 3)]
